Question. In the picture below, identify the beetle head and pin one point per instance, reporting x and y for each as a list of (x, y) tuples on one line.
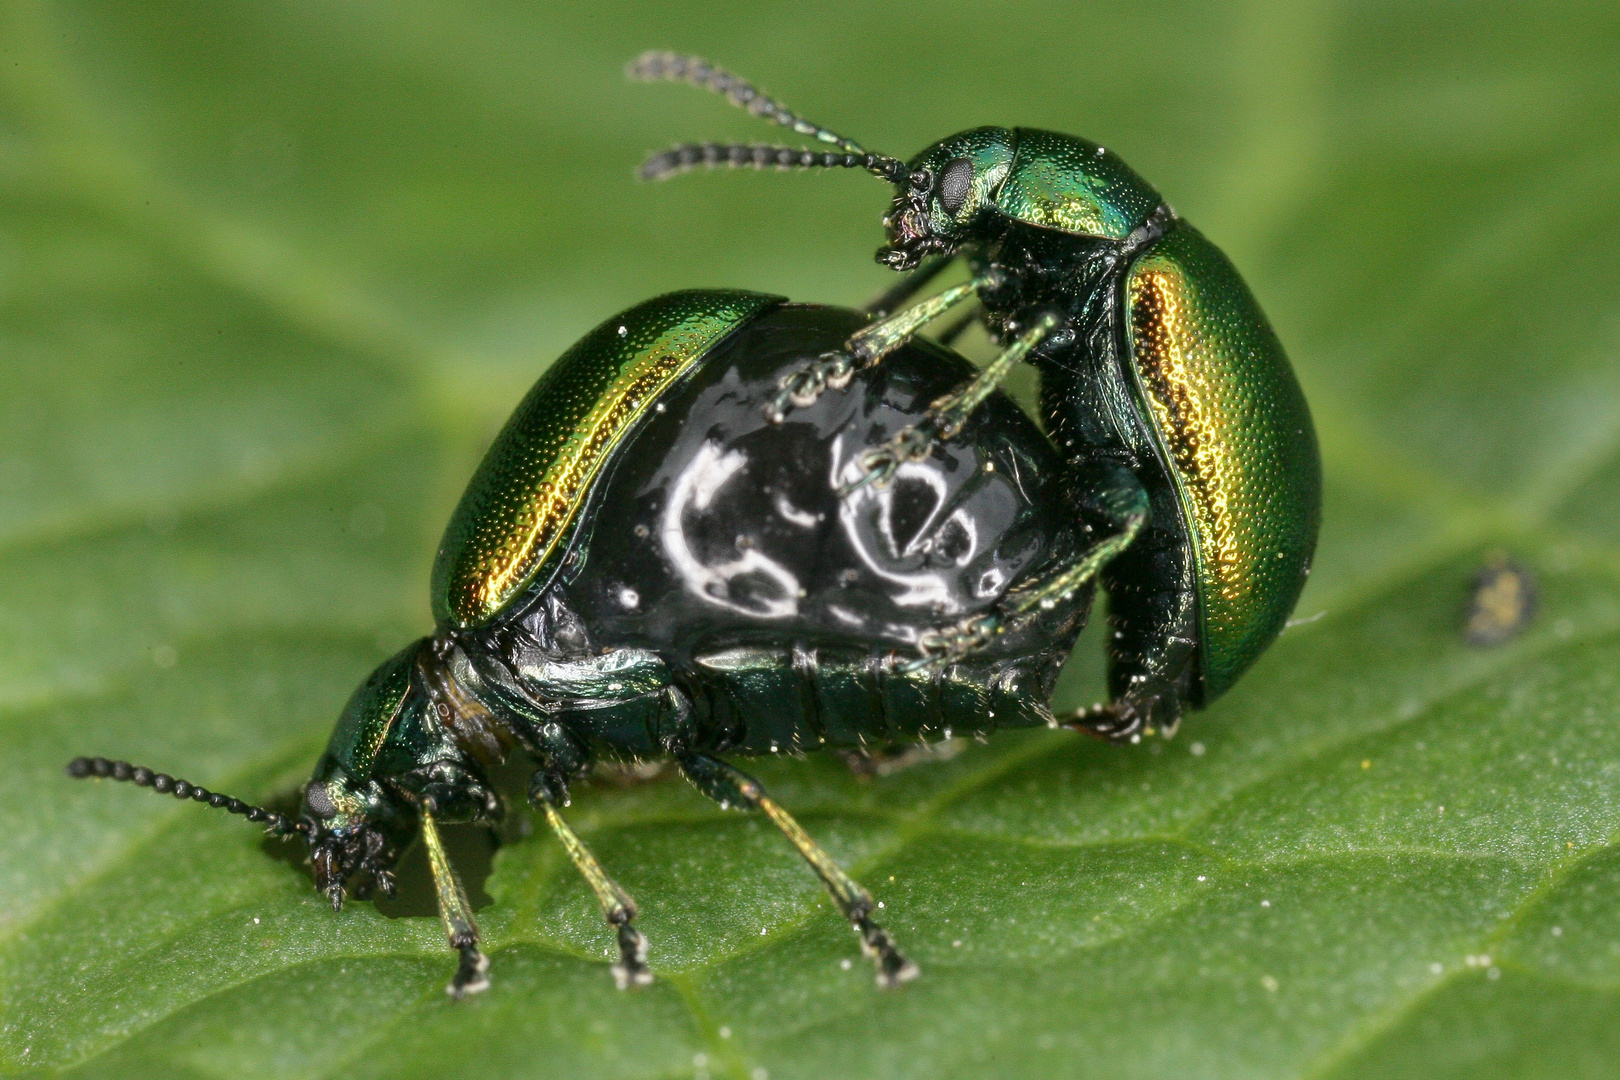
[(360, 829), (945, 196), (397, 746), (355, 831)]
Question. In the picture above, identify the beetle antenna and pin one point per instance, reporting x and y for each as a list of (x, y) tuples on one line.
[(658, 66), (689, 156), (85, 767)]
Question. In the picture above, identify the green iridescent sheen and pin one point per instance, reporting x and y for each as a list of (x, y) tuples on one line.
[(369, 715), (1041, 178), (1235, 431), (1074, 185), (991, 151), (524, 500)]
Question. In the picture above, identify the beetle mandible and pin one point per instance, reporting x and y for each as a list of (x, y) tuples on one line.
[(1162, 383), (646, 566)]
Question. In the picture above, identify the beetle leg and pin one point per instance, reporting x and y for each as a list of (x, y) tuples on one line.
[(548, 792), (873, 342), (866, 347), (730, 786), (1121, 502), (946, 417), (801, 388), (457, 914), (1125, 720)]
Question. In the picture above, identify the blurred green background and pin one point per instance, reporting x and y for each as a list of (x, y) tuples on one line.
[(272, 273)]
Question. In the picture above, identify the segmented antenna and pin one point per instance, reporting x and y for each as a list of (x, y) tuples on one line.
[(85, 767), (673, 67), (688, 156)]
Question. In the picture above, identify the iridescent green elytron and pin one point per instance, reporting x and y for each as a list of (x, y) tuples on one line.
[(519, 506), (1230, 416)]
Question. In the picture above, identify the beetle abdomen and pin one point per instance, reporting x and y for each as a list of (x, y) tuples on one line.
[(523, 501), (762, 700), (720, 528), (1236, 435), (784, 606)]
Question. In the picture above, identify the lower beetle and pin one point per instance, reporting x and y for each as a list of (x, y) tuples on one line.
[(646, 565), (1164, 387)]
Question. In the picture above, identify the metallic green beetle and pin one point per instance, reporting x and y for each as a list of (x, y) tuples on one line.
[(1162, 383), (656, 558), (646, 566)]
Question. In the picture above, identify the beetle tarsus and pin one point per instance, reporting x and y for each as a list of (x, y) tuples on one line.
[(879, 464), (631, 971), (955, 642), (1128, 719), (801, 388), (471, 972), (892, 966)]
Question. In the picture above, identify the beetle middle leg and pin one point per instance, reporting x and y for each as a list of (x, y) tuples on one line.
[(549, 792), (866, 347), (1109, 493), (730, 786), (945, 417)]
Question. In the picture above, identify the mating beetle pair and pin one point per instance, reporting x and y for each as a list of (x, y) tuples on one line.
[(725, 524)]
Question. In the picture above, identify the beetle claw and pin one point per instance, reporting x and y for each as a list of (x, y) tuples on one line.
[(893, 968), (879, 464), (952, 643), (471, 972), (631, 971), (800, 389)]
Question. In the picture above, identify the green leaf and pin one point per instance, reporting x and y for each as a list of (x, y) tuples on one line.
[(272, 274)]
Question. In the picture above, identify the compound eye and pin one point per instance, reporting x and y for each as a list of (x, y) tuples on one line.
[(319, 801), (954, 185)]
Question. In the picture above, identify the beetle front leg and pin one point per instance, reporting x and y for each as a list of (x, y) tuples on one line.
[(456, 912), (866, 347), (549, 791), (1115, 496), (946, 417), (730, 786)]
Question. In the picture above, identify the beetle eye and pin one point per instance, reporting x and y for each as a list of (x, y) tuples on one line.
[(319, 801), (954, 185)]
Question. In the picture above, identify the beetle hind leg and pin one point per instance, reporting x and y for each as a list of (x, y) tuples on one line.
[(1119, 500), (730, 786)]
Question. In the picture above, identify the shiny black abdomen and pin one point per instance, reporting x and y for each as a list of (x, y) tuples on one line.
[(786, 612)]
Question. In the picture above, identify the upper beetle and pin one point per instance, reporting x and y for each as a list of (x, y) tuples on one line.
[(1163, 385)]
